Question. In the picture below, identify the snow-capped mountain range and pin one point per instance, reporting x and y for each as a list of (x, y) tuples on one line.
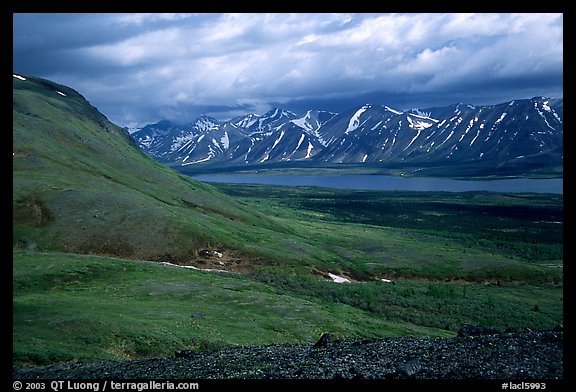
[(513, 133)]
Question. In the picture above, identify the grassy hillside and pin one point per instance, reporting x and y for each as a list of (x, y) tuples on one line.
[(74, 307), (81, 185)]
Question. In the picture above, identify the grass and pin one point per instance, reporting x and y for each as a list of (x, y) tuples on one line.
[(74, 308), (69, 308), (445, 306), (475, 236)]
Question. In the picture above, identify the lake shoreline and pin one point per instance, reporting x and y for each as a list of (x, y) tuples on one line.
[(464, 171), (394, 183)]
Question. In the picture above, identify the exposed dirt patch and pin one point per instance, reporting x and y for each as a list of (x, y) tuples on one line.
[(218, 259), (32, 211), (19, 153)]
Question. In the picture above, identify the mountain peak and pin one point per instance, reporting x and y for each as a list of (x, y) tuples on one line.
[(276, 113), (206, 123)]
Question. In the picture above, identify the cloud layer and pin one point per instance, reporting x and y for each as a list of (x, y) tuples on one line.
[(140, 68)]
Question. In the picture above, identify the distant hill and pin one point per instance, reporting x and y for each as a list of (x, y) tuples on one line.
[(81, 184), (513, 137)]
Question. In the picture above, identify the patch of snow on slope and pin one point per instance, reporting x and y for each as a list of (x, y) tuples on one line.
[(225, 140), (475, 137), (392, 110), (355, 120), (247, 121), (180, 141), (543, 116), (277, 140), (303, 122), (449, 136), (470, 125), (310, 147), (415, 137), (424, 117), (198, 161), (546, 107), (376, 126), (500, 119), (419, 125), (196, 268), (338, 279), (302, 137)]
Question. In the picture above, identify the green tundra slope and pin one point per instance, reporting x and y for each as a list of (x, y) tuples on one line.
[(81, 185)]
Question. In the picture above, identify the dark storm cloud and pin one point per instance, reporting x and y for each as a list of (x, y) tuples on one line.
[(139, 68)]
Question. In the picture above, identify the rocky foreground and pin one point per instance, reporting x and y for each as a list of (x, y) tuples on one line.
[(476, 353)]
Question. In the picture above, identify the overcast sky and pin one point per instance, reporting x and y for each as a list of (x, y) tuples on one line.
[(142, 68)]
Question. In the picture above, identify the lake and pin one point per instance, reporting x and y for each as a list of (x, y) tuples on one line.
[(390, 183)]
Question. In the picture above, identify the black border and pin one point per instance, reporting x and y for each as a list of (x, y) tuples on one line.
[(8, 8)]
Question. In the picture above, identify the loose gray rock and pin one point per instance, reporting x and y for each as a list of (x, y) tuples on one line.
[(527, 355), (409, 369), (475, 330), (183, 353)]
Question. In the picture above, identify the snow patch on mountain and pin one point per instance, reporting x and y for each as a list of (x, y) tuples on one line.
[(392, 110), (500, 119), (309, 151), (546, 107), (206, 124), (304, 122), (355, 120), (477, 134), (302, 137), (419, 125), (180, 141), (225, 140), (414, 138), (247, 121), (278, 140)]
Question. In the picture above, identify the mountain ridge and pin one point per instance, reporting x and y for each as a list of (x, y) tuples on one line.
[(502, 135)]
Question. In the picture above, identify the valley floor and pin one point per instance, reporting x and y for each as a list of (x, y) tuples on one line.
[(420, 265)]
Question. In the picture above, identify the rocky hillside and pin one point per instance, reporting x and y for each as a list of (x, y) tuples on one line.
[(476, 353)]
